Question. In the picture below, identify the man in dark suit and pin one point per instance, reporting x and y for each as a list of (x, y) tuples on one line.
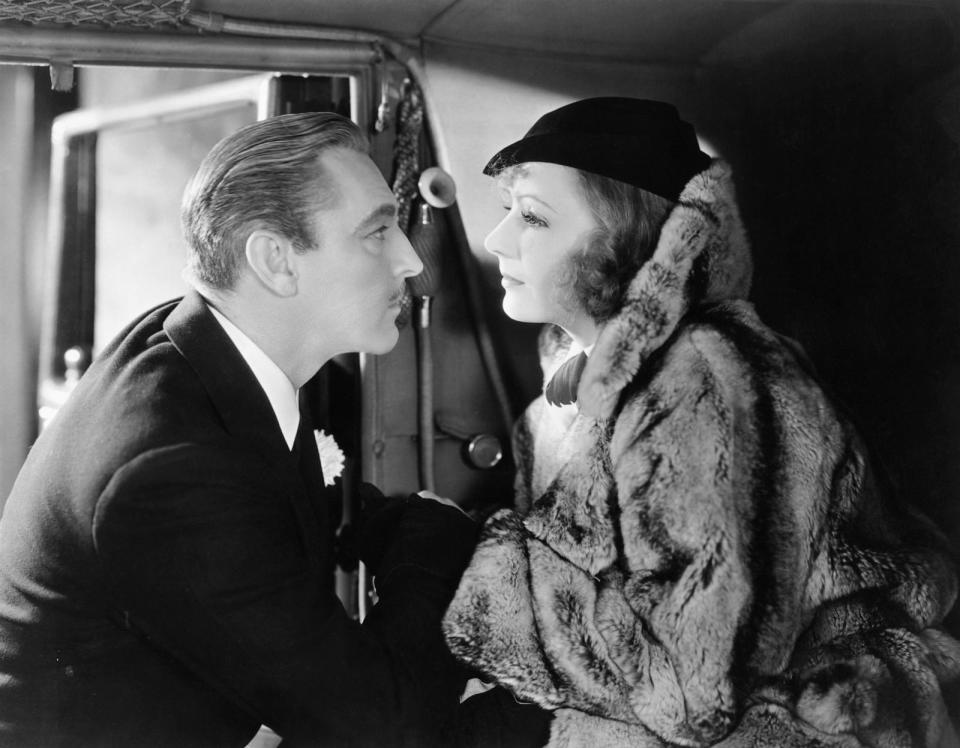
[(164, 565)]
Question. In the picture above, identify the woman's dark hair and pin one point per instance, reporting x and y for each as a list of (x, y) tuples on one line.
[(629, 221)]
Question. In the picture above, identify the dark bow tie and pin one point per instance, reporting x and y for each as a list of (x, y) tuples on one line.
[(562, 387)]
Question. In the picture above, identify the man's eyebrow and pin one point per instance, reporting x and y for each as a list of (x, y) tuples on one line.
[(387, 210)]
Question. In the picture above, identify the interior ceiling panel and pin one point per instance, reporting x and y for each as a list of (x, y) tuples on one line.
[(653, 30), (629, 29), (912, 28), (397, 18), (665, 31)]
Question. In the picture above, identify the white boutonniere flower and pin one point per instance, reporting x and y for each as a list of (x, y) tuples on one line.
[(331, 456)]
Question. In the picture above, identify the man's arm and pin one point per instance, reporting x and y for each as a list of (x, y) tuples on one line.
[(206, 559)]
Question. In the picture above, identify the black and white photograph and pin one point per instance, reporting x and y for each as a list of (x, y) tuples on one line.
[(480, 373)]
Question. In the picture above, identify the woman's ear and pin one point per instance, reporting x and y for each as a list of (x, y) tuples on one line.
[(271, 258)]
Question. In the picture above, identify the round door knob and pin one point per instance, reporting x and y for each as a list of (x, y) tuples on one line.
[(75, 361), (484, 451)]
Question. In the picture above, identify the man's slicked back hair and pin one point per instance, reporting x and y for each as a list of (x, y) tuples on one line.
[(266, 175)]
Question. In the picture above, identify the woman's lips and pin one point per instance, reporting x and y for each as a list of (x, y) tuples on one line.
[(509, 281)]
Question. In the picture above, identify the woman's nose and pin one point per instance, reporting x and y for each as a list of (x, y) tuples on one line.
[(499, 241)]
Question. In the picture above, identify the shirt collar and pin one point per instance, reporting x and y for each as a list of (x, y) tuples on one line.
[(575, 349), (281, 393)]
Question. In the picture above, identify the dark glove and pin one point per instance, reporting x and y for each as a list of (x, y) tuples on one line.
[(495, 719), (379, 519), (414, 531)]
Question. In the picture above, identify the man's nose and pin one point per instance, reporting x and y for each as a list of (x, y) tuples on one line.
[(499, 241), (407, 262)]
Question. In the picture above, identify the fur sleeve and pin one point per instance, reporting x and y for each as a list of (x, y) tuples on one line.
[(679, 453)]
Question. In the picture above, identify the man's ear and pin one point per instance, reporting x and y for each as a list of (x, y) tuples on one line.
[(270, 257)]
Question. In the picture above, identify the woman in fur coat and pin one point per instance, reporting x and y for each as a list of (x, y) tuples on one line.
[(699, 553)]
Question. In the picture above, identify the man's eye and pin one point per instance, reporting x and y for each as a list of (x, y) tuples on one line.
[(380, 234)]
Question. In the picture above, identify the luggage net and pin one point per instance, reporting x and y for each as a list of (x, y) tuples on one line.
[(137, 13)]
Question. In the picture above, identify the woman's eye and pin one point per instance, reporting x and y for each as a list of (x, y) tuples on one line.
[(532, 218), (380, 234)]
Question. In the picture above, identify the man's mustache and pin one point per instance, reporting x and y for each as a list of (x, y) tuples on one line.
[(406, 308)]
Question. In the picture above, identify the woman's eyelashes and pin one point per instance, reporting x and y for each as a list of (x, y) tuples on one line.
[(528, 216), (532, 218)]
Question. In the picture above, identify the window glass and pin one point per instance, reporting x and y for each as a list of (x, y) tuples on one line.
[(141, 173)]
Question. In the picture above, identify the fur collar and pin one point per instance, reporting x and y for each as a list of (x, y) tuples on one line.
[(703, 256)]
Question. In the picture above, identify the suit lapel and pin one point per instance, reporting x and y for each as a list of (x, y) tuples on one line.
[(231, 385), (244, 407)]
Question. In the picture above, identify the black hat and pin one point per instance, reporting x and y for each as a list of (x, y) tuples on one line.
[(640, 142)]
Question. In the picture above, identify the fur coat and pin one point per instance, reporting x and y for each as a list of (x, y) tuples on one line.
[(699, 550)]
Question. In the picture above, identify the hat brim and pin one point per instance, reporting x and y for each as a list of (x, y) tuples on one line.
[(634, 162)]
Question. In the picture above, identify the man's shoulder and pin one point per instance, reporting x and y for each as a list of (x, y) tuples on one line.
[(145, 379), (139, 385), (140, 394)]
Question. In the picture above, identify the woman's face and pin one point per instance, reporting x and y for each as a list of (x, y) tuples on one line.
[(547, 221)]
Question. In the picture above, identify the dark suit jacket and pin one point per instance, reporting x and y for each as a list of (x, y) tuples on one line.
[(165, 580)]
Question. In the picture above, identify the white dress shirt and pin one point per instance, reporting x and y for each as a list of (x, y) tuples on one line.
[(281, 393)]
